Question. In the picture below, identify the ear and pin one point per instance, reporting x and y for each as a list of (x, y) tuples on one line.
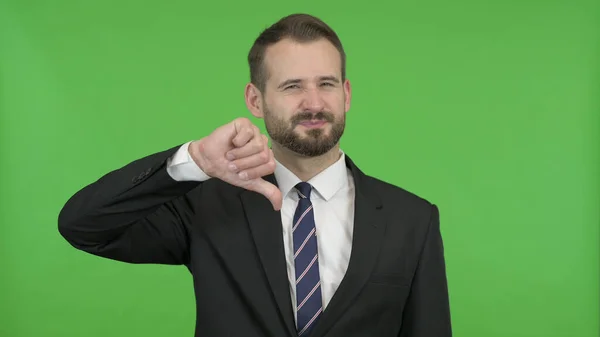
[(253, 98), (347, 94)]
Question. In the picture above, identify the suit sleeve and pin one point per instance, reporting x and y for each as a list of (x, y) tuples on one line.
[(427, 311), (134, 214)]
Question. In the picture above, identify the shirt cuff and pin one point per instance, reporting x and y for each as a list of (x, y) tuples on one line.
[(181, 166)]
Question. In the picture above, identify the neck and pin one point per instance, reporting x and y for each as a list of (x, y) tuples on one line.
[(305, 167)]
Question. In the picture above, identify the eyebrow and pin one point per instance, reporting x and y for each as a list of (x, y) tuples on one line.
[(297, 80)]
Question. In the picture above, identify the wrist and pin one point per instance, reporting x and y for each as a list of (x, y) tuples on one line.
[(196, 152)]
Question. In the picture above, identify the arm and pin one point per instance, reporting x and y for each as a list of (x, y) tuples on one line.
[(427, 311), (139, 213), (136, 213)]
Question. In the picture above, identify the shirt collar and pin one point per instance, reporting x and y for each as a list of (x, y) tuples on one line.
[(326, 183)]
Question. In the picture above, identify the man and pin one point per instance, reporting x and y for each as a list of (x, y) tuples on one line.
[(292, 240)]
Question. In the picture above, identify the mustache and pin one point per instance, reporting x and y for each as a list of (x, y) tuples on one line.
[(308, 116)]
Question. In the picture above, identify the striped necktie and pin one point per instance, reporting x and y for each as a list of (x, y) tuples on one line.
[(308, 281)]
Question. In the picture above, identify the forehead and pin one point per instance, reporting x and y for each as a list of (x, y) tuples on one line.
[(304, 60)]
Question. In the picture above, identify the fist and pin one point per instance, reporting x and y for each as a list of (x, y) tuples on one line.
[(238, 154)]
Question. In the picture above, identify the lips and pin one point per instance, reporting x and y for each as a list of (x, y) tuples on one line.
[(313, 123)]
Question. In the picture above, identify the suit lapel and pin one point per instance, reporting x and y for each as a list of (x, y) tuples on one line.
[(264, 285), (369, 228), (265, 226)]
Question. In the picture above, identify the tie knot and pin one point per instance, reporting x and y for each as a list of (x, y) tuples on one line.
[(304, 189)]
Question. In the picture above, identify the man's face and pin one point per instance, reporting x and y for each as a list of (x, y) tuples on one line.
[(305, 102)]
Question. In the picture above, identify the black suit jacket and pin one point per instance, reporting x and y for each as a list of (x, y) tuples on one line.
[(230, 239)]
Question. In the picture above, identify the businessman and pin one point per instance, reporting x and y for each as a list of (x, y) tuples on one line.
[(286, 240)]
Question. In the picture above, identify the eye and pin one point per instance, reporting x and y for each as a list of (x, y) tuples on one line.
[(327, 84), (293, 86)]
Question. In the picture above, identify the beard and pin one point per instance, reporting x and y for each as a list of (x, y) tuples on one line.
[(316, 142)]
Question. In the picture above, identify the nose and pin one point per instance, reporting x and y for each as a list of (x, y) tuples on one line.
[(313, 100)]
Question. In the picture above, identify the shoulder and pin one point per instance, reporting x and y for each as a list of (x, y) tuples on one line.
[(393, 197), (409, 214), (391, 193)]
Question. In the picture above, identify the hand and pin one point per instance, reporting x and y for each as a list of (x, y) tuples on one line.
[(238, 154)]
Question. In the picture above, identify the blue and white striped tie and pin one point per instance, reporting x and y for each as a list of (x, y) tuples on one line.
[(308, 282)]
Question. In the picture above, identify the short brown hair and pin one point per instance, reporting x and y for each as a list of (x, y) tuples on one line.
[(298, 27)]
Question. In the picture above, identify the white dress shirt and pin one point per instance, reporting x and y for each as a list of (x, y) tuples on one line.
[(333, 204)]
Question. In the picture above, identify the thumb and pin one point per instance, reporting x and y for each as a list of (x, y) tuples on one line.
[(270, 191)]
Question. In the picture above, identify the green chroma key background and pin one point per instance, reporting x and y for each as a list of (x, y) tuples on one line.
[(490, 109)]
